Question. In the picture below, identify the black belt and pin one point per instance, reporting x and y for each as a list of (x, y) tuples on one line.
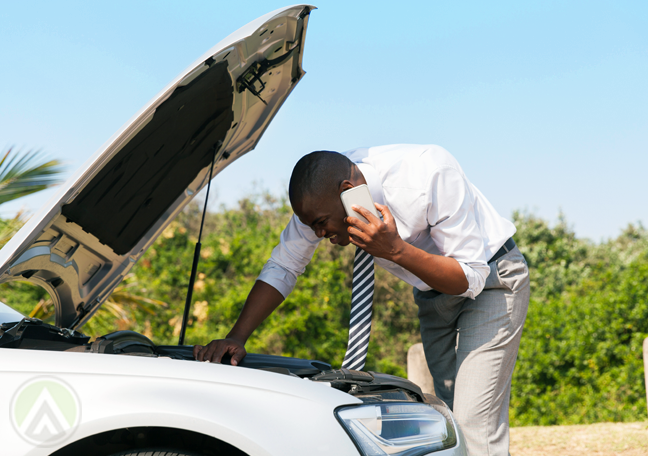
[(506, 248)]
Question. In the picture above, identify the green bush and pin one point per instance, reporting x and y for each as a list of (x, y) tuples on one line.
[(311, 323), (580, 358)]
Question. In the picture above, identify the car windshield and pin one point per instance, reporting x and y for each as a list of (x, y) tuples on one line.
[(8, 315)]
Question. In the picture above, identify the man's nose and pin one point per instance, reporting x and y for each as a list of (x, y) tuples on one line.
[(319, 232)]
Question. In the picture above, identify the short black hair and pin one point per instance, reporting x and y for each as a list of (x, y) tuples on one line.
[(318, 173)]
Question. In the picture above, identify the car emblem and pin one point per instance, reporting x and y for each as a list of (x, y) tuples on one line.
[(45, 411)]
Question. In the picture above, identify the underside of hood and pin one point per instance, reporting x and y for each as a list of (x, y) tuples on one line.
[(87, 238), (134, 189)]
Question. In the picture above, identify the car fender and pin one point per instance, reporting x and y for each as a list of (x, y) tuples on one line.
[(259, 412)]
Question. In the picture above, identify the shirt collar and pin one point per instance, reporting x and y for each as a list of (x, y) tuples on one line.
[(373, 182)]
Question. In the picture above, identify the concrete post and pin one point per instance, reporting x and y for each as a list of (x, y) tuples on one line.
[(645, 359), (417, 368)]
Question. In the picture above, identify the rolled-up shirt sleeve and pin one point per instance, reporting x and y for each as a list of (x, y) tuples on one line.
[(290, 257), (453, 226)]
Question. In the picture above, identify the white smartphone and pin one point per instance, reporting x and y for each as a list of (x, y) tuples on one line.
[(360, 196)]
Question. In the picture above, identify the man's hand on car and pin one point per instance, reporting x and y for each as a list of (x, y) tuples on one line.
[(261, 302), (214, 351)]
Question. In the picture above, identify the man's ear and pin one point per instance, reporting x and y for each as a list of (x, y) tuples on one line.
[(346, 185)]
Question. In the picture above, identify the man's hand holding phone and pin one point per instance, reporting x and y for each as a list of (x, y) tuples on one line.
[(377, 237)]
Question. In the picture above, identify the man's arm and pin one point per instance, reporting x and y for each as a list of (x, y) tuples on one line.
[(261, 302), (380, 238), (277, 279)]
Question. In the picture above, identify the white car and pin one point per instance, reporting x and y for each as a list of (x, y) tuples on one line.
[(123, 394)]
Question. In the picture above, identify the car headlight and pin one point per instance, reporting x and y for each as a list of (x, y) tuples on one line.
[(399, 428)]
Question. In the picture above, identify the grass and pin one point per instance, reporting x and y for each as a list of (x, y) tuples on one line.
[(627, 439)]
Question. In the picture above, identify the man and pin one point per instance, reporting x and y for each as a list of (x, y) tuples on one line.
[(439, 234)]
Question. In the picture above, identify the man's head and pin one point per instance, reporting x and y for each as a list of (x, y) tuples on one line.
[(315, 186)]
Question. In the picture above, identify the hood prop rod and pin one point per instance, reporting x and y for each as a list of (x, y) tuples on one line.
[(196, 258)]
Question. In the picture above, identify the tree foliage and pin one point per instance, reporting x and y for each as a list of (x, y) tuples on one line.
[(21, 174), (580, 358), (311, 323)]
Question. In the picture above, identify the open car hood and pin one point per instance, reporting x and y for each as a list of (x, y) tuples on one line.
[(86, 239)]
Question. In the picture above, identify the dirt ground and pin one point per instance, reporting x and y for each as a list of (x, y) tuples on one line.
[(626, 439)]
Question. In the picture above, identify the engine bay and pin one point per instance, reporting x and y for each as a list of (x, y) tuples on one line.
[(34, 334)]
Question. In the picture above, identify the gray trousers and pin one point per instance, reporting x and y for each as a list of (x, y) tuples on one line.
[(471, 347)]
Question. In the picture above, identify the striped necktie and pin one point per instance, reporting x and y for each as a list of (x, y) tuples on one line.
[(361, 303)]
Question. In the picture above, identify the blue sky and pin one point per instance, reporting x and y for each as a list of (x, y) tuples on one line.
[(543, 103)]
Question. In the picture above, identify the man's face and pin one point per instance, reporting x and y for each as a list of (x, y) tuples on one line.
[(325, 215)]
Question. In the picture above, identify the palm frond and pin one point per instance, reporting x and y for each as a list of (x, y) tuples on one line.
[(43, 310), (121, 298), (22, 174)]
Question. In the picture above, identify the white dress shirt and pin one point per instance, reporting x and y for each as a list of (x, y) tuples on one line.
[(435, 207)]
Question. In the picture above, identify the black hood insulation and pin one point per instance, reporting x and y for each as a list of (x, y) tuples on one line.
[(143, 179)]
